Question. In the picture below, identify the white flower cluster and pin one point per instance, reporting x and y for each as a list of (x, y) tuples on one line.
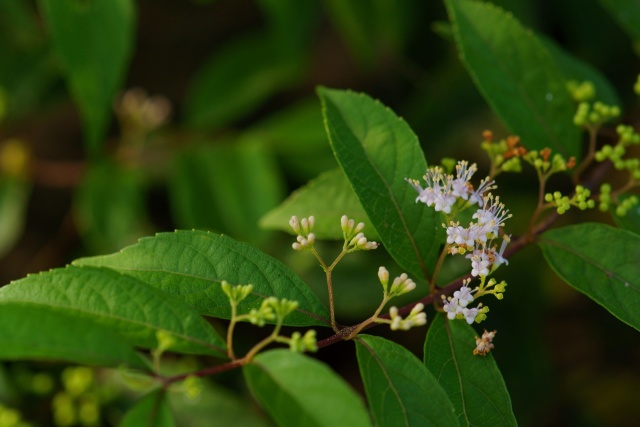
[(456, 306), (354, 239), (443, 191), (303, 229)]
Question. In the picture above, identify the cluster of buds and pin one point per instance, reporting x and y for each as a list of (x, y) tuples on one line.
[(546, 165), (400, 285), (624, 204), (303, 228), (627, 137), (354, 239), (581, 91), (580, 199), (301, 343), (589, 115), (416, 317), (504, 154)]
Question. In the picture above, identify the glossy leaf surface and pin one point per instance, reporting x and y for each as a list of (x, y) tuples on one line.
[(299, 391), (124, 304), (473, 383), (600, 261), (327, 198), (36, 332), (190, 266), (400, 389), (377, 150), (516, 75)]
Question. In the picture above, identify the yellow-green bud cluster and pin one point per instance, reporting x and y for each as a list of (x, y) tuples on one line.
[(580, 200), (511, 165), (482, 313), (594, 114), (236, 293), (616, 153), (605, 197), (10, 417), (636, 86), (301, 343), (625, 205), (539, 160), (493, 287), (581, 91)]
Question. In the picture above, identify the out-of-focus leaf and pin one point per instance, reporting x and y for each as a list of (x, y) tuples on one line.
[(151, 411), (627, 14), (229, 408), (474, 383), (377, 150), (400, 390), (327, 197), (190, 265), (299, 391), (237, 80), (516, 75), (297, 135), (227, 187), (36, 332), (291, 25), (126, 305), (110, 207), (94, 40), (611, 276), (373, 29), (576, 69), (14, 194)]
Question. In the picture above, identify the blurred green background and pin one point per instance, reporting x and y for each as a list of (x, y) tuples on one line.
[(224, 124)]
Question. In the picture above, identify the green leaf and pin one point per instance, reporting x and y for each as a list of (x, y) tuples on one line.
[(327, 197), (373, 29), (516, 75), (227, 187), (237, 80), (291, 25), (400, 389), (126, 305), (151, 411), (627, 14), (94, 40), (377, 151), (474, 383), (190, 265), (296, 390), (574, 68), (297, 134), (110, 207), (14, 195), (600, 261), (31, 331)]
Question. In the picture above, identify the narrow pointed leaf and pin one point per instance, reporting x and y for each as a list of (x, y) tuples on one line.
[(474, 383), (600, 261), (122, 303), (151, 411), (94, 40), (400, 389), (516, 75), (377, 150), (35, 332), (296, 390), (191, 265), (327, 198)]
